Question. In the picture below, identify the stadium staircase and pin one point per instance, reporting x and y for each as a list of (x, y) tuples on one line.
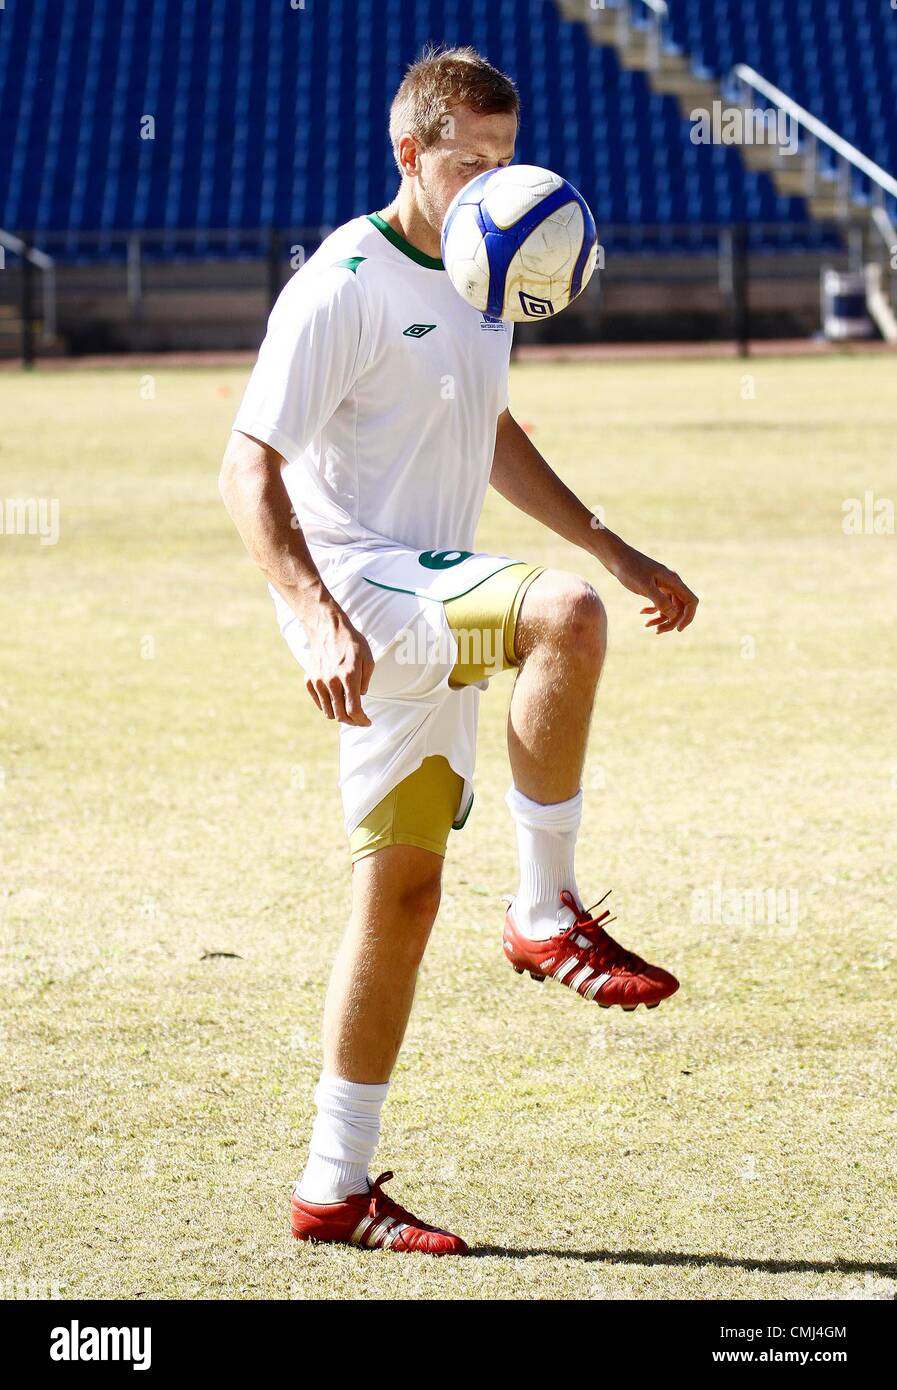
[(835, 181), (269, 121)]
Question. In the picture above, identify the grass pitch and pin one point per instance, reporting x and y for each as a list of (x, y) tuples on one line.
[(175, 874)]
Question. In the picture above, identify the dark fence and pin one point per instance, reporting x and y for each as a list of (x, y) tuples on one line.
[(121, 291)]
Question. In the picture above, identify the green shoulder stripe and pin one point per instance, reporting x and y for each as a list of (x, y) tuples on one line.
[(351, 263)]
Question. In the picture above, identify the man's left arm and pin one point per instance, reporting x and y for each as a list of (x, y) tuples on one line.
[(522, 476)]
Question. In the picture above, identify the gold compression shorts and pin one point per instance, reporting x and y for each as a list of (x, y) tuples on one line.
[(421, 809)]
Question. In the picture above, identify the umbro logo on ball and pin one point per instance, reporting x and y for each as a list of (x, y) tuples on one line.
[(535, 308), (417, 330)]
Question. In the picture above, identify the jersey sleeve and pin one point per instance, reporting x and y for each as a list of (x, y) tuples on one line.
[(313, 352)]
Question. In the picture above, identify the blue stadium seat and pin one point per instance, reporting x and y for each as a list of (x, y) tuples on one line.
[(266, 115)]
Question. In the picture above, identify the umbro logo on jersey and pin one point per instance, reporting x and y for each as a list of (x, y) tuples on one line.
[(418, 330)]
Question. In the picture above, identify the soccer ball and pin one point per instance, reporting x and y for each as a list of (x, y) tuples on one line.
[(519, 243)]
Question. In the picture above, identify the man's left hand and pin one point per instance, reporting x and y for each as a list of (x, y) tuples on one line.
[(672, 603)]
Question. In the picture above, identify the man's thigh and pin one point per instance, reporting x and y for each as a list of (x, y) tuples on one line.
[(484, 624)]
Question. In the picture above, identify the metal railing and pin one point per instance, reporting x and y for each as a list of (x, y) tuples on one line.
[(31, 256), (196, 290), (887, 230), (881, 184)]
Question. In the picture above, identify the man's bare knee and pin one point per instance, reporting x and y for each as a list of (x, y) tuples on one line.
[(399, 889), (419, 901), (415, 907), (565, 612)]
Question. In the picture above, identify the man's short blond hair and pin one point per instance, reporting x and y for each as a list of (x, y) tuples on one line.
[(441, 79)]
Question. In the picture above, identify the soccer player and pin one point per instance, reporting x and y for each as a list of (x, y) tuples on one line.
[(373, 423)]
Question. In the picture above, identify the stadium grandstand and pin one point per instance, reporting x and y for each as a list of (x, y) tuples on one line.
[(165, 162)]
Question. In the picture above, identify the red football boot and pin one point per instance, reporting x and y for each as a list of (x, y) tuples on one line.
[(371, 1219), (586, 959)]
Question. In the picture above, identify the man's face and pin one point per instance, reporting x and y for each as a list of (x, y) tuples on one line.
[(469, 145)]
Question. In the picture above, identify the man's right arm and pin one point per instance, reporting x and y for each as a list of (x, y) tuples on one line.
[(254, 494)]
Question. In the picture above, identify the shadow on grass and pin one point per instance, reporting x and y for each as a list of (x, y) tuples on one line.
[(663, 1257)]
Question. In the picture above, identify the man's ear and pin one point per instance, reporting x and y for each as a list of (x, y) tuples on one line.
[(409, 156)]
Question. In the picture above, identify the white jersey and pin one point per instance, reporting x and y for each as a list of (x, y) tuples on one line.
[(381, 388)]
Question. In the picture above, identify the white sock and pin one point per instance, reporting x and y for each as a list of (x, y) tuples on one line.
[(546, 843), (343, 1139)]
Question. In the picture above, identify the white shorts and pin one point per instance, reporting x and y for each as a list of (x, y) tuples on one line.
[(394, 597)]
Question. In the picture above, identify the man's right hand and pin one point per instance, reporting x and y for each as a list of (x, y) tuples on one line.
[(341, 667), (251, 484)]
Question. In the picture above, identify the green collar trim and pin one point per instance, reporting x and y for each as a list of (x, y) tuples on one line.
[(430, 262)]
